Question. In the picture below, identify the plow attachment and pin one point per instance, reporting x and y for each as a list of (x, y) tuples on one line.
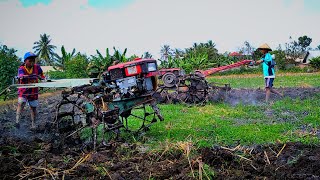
[(60, 83), (88, 107), (191, 88)]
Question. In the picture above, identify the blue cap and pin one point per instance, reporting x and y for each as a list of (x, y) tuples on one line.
[(28, 55)]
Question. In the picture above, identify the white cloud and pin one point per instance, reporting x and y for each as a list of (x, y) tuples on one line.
[(147, 25)]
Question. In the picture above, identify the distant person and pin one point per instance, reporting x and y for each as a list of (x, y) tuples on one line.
[(28, 72), (268, 70)]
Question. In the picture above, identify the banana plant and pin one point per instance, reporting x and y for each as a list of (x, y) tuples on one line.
[(170, 62), (99, 63), (60, 61), (118, 56), (146, 55), (198, 60)]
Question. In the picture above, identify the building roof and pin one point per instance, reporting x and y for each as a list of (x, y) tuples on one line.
[(46, 69)]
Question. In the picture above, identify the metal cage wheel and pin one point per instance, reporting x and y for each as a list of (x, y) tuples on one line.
[(193, 90)]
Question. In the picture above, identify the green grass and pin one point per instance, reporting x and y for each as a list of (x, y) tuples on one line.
[(226, 125), (282, 80)]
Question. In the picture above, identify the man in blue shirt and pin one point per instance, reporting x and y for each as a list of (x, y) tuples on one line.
[(268, 70)]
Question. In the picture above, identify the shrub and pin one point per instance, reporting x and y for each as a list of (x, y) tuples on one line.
[(315, 62), (56, 75), (296, 69), (77, 66), (9, 66)]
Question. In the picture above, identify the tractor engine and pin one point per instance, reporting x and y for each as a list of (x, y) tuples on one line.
[(132, 79), (111, 102)]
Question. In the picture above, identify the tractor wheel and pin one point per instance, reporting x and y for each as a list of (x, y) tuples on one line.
[(192, 90), (169, 80), (140, 118)]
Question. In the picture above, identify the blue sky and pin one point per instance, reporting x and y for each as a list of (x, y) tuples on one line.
[(93, 3), (27, 3), (146, 25), (310, 5), (109, 3)]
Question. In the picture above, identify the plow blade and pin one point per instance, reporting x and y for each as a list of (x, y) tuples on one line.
[(61, 83)]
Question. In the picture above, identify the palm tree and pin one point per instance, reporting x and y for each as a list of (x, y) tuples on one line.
[(64, 58), (44, 49), (210, 44), (165, 52)]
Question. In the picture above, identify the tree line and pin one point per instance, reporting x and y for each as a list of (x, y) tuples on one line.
[(199, 56)]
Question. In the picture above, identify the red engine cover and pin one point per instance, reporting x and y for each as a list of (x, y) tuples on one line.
[(132, 68)]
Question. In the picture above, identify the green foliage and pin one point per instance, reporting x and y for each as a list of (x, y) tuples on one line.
[(304, 41), (100, 63), (132, 57), (203, 48), (121, 57), (45, 50), (9, 66), (199, 56), (57, 75), (208, 171), (296, 69), (65, 57), (257, 81), (222, 60), (76, 67), (146, 55), (296, 48), (170, 62), (315, 62), (195, 60)]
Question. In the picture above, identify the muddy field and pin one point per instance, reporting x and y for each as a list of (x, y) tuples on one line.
[(35, 154)]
